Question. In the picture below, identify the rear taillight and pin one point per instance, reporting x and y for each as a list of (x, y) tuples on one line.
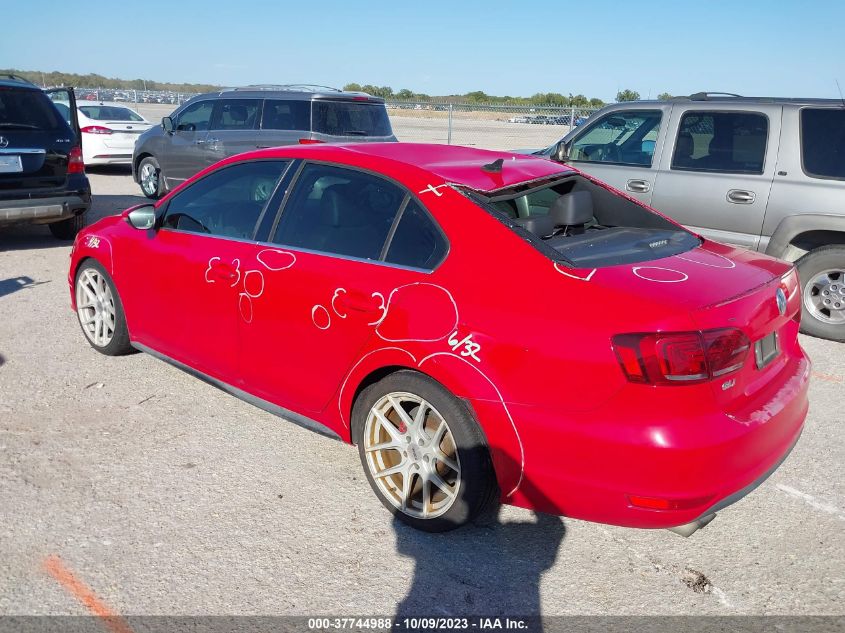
[(791, 285), (96, 129), (75, 165), (309, 141), (680, 358)]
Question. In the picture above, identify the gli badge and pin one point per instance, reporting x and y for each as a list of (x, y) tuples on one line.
[(780, 297)]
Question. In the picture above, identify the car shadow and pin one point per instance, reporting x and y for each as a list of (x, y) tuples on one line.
[(13, 284), (491, 568)]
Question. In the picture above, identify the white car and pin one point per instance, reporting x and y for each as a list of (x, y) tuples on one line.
[(109, 132)]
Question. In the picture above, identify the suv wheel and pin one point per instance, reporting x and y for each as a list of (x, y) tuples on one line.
[(422, 452), (822, 273), (67, 229), (150, 178)]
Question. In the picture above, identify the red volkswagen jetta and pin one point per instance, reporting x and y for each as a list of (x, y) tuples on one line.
[(483, 326)]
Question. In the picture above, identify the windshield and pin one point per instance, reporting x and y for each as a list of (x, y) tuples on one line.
[(350, 118), (109, 113), (578, 222), (27, 110)]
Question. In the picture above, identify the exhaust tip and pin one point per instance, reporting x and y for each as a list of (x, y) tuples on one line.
[(691, 528)]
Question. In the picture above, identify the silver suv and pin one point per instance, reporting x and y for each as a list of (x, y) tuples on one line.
[(212, 126), (764, 173)]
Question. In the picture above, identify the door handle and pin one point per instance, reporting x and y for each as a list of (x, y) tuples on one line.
[(358, 303), (638, 186), (741, 196)]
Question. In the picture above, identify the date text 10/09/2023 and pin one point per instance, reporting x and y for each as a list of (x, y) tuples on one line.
[(417, 624)]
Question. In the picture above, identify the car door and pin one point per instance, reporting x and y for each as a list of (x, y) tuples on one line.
[(65, 100), (233, 130), (622, 148), (188, 273), (314, 295), (716, 174), (183, 153)]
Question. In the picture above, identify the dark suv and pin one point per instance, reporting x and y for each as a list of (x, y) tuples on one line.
[(212, 126), (42, 177)]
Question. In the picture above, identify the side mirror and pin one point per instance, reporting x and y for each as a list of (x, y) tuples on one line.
[(143, 217), (561, 152), (167, 124)]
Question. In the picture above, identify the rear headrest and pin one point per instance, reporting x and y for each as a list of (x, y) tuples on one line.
[(340, 207), (572, 209)]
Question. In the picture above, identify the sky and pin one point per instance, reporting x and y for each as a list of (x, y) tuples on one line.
[(750, 47)]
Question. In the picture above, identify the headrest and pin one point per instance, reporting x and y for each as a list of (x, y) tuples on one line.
[(539, 225), (572, 209), (340, 207), (238, 113)]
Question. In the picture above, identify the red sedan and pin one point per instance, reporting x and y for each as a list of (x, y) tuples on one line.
[(483, 326)]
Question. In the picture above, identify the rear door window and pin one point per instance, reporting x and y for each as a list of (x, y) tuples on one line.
[(285, 114), (725, 142), (823, 142), (350, 118), (620, 138), (27, 110), (235, 114), (417, 241)]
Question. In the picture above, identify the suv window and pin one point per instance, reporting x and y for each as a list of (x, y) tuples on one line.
[(285, 114), (227, 202), (27, 110), (728, 142), (341, 211), (195, 117), (350, 118), (235, 114), (823, 142), (417, 241), (621, 138)]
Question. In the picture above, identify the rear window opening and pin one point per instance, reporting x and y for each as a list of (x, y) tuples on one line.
[(581, 224), (350, 118), (27, 110)]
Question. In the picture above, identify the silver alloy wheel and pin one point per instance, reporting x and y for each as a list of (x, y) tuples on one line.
[(95, 307), (412, 455), (824, 296), (149, 179)]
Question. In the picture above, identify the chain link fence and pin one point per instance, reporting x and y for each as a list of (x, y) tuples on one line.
[(133, 96)]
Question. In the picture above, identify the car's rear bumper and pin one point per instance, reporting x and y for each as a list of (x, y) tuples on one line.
[(603, 465), (43, 210)]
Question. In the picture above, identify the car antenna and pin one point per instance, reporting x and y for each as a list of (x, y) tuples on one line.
[(841, 98), (494, 167)]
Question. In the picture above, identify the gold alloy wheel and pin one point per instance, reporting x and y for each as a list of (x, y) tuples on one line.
[(412, 455)]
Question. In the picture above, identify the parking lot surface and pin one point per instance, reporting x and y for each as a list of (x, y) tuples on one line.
[(164, 495)]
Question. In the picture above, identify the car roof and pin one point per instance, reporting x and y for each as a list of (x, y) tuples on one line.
[(288, 91), (454, 164), (9, 80), (726, 98)]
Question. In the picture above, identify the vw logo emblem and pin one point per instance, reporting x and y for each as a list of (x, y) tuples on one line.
[(4, 142), (780, 297)]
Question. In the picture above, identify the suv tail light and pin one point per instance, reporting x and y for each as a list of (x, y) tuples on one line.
[(75, 165), (309, 141), (680, 358), (96, 129)]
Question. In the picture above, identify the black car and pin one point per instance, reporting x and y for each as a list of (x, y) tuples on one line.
[(42, 176)]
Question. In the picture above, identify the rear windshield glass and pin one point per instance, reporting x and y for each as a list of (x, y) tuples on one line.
[(109, 113), (27, 110), (582, 224), (350, 118), (823, 142)]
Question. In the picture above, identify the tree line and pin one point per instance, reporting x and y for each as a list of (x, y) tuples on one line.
[(56, 78)]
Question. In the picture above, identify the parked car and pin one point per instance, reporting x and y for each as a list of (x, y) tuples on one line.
[(42, 176), (482, 325), (213, 126), (766, 174), (109, 132), (519, 119)]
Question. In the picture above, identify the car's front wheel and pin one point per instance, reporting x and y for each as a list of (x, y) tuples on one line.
[(100, 310), (822, 273), (150, 178), (422, 452)]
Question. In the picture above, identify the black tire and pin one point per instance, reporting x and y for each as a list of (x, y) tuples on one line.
[(813, 322), (159, 190), (119, 343), (476, 491), (67, 229)]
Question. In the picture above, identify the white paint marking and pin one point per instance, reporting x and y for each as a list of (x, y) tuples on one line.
[(636, 270), (273, 250), (811, 501), (208, 270), (318, 309), (245, 307), (433, 189), (731, 263), (563, 272), (418, 340), (254, 295), (237, 263), (382, 307), (334, 298)]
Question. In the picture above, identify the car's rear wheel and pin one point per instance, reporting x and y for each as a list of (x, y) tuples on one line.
[(150, 178), (822, 273), (67, 229), (422, 452), (100, 310)]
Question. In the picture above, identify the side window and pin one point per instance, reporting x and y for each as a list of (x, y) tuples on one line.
[(235, 114), (195, 117), (341, 211), (417, 241), (728, 142), (823, 142), (286, 114), (227, 202), (622, 138)]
